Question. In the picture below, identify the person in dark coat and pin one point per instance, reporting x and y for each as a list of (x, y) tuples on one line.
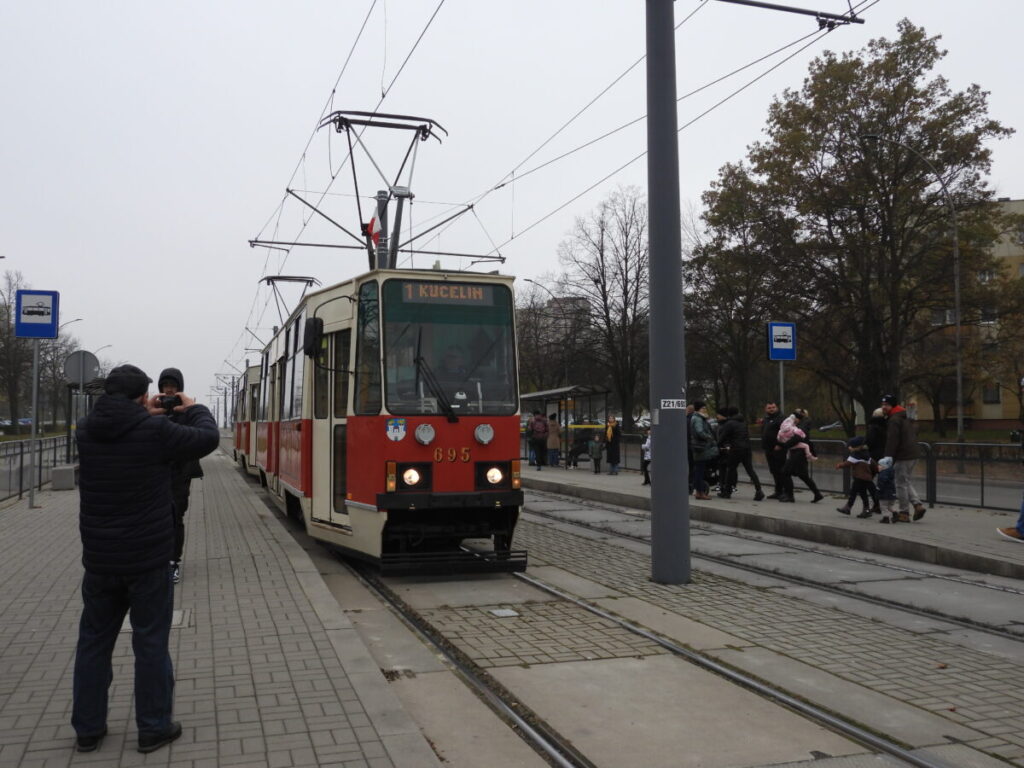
[(704, 446), (773, 452), (170, 383), (734, 449), (796, 460), (613, 441), (901, 447), (538, 431), (126, 446)]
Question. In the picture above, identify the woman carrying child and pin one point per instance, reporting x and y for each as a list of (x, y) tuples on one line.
[(794, 441)]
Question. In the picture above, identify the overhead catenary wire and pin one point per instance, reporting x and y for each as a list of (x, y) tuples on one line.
[(817, 36)]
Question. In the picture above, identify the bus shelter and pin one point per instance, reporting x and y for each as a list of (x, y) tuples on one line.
[(580, 409)]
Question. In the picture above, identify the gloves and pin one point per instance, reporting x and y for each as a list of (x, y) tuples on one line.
[(885, 462)]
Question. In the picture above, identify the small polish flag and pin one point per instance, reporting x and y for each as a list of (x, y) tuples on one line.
[(373, 230)]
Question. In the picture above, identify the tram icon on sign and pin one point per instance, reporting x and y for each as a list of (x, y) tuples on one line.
[(39, 308)]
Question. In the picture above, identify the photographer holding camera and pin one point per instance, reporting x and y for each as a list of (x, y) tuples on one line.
[(171, 383)]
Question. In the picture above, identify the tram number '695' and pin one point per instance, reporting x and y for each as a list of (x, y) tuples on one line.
[(451, 454)]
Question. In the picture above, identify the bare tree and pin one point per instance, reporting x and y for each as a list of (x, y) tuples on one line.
[(15, 353), (606, 262)]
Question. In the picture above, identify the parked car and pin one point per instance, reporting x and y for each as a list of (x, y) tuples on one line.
[(26, 422), (833, 425)]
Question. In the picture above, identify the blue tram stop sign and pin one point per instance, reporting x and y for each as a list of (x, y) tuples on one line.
[(37, 314)]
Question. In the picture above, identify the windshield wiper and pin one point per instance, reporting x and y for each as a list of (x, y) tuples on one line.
[(423, 369)]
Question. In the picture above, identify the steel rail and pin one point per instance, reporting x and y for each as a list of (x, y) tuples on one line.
[(543, 739)]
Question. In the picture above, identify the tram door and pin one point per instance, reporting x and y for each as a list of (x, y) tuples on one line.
[(330, 424)]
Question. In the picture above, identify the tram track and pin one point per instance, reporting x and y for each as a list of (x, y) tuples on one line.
[(553, 746), (733, 562), (558, 750), (531, 728)]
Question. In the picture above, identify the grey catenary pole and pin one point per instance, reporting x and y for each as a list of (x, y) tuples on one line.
[(670, 500)]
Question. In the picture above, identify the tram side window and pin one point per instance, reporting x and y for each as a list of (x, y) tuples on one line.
[(368, 394), (340, 467), (342, 349), (254, 397), (321, 386), (265, 381)]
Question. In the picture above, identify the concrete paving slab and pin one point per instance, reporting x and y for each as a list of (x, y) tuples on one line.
[(576, 514), (952, 599), (461, 729), (659, 712), (671, 625), (881, 713), (823, 568), (640, 529), (487, 589), (724, 545), (894, 617), (571, 583), (392, 645)]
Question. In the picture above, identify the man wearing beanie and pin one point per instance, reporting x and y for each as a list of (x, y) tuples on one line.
[(126, 446), (170, 383)]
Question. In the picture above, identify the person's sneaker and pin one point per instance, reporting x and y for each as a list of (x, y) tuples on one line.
[(1010, 533), (817, 497), (843, 510), (865, 514), (902, 517), (89, 743), (149, 742), (774, 496), (176, 573), (886, 519), (919, 510), (759, 495)]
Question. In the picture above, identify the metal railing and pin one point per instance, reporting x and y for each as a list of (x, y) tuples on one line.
[(981, 475), (14, 464)]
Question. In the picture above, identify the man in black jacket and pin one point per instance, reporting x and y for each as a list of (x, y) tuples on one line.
[(126, 446), (773, 452), (170, 384), (734, 449)]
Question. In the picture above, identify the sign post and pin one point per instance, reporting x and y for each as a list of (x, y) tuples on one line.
[(36, 317), (782, 347)]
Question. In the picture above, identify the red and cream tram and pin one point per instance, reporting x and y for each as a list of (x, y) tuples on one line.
[(247, 388), (387, 419)]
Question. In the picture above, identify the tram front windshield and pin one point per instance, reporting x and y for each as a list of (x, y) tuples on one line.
[(448, 348)]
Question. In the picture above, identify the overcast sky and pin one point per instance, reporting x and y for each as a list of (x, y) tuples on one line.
[(142, 145)]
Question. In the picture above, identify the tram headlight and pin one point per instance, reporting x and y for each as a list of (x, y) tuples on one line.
[(483, 433), (425, 434), (494, 475), (411, 477)]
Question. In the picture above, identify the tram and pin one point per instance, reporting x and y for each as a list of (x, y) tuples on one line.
[(386, 419), (247, 388)]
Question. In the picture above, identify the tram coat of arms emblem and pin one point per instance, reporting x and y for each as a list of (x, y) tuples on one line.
[(396, 429)]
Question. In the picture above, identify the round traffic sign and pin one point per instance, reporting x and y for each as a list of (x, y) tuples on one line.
[(81, 366)]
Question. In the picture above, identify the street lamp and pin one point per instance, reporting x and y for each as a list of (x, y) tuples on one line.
[(105, 346), (956, 276), (69, 322)]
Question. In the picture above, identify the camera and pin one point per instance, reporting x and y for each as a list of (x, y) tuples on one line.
[(167, 402)]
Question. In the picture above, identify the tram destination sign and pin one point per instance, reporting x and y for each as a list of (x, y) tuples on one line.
[(447, 293)]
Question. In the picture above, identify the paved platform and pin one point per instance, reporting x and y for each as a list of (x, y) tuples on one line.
[(958, 537), (270, 671)]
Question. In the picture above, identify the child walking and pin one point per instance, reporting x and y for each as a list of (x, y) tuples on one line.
[(594, 448), (887, 490), (863, 469)]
